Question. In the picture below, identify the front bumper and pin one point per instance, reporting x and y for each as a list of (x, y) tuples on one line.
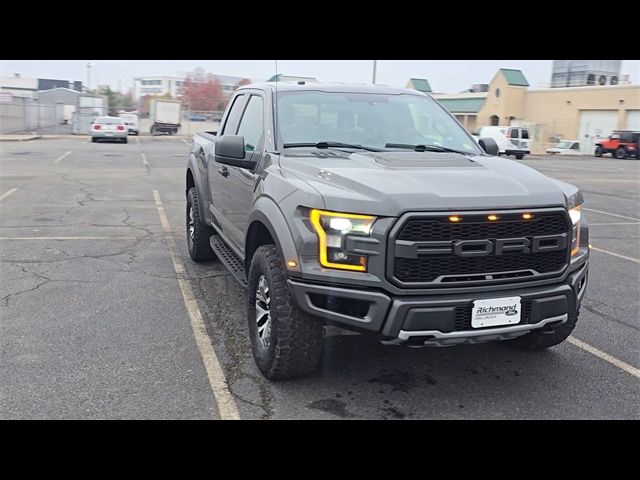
[(517, 152), (439, 319)]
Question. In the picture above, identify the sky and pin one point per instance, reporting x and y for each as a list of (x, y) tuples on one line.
[(447, 76)]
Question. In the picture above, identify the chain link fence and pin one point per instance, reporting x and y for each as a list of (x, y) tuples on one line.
[(18, 115), (27, 115)]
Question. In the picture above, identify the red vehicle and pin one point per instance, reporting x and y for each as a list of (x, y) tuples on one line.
[(621, 144)]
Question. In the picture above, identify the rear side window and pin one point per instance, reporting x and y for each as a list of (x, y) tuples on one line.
[(525, 134), (109, 121), (252, 124), (625, 137), (575, 146), (233, 119)]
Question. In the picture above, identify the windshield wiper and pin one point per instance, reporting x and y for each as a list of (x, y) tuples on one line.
[(323, 145), (425, 148)]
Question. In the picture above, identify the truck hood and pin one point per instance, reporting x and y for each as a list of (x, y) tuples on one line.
[(390, 183)]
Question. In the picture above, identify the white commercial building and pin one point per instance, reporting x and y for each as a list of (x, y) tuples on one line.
[(161, 85)]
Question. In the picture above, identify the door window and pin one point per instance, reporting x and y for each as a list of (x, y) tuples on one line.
[(233, 118), (525, 134), (514, 133), (252, 124)]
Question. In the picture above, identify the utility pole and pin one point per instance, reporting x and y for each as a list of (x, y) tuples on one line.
[(375, 67)]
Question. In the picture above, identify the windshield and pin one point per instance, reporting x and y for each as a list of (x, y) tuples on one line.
[(564, 144), (369, 120)]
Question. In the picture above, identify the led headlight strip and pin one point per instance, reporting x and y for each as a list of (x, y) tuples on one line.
[(331, 227)]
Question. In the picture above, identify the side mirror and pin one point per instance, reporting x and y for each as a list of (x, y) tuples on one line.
[(229, 150), (489, 145)]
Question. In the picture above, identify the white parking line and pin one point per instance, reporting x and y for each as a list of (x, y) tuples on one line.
[(64, 155), (144, 160), (605, 356), (614, 223), (66, 238), (631, 259), (7, 193), (87, 140), (184, 141), (137, 140), (612, 214), (226, 404)]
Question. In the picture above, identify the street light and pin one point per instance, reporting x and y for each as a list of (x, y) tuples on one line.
[(89, 65), (375, 67)]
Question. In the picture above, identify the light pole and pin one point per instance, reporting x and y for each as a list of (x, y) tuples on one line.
[(120, 80), (375, 67), (89, 76)]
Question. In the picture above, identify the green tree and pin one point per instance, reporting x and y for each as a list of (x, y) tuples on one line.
[(112, 100)]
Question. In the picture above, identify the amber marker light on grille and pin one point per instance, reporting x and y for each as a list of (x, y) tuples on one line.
[(527, 216), (493, 217), (454, 218)]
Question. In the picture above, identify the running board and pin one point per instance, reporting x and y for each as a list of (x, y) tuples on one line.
[(229, 259)]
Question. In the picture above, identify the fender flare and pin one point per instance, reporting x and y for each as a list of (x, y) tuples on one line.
[(201, 187), (267, 212)]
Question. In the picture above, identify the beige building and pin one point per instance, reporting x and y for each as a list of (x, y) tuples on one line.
[(574, 113)]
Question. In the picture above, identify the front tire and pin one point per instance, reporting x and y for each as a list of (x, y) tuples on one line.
[(620, 153), (286, 341), (519, 156), (546, 337), (198, 232), (125, 140), (599, 151)]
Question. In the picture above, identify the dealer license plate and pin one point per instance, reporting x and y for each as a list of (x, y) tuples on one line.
[(495, 311)]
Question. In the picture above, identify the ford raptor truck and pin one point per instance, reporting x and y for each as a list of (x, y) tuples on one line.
[(371, 209)]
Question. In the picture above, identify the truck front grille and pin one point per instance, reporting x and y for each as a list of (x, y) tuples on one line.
[(420, 232)]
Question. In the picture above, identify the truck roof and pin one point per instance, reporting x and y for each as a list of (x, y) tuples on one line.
[(330, 87)]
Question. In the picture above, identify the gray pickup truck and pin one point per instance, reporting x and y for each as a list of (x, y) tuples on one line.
[(372, 209)]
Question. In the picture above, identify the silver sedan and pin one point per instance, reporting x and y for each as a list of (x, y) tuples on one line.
[(112, 128)]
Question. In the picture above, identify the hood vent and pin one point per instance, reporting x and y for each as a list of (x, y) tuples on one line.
[(423, 160)]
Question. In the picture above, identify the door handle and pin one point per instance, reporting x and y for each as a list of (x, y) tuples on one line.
[(223, 171)]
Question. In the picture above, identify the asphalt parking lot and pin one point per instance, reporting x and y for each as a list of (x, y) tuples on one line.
[(95, 324)]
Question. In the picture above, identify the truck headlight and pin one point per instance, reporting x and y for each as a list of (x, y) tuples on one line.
[(575, 214), (331, 228)]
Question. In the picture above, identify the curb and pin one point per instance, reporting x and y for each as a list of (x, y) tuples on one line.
[(18, 138)]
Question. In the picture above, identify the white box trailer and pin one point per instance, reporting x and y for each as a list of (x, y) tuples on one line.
[(165, 116)]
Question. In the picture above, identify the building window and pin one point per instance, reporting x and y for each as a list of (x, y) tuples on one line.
[(495, 120), (497, 93)]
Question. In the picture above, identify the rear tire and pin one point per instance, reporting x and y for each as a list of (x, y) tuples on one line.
[(519, 157), (544, 337), (125, 140), (620, 153), (94, 140), (198, 232), (286, 341)]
